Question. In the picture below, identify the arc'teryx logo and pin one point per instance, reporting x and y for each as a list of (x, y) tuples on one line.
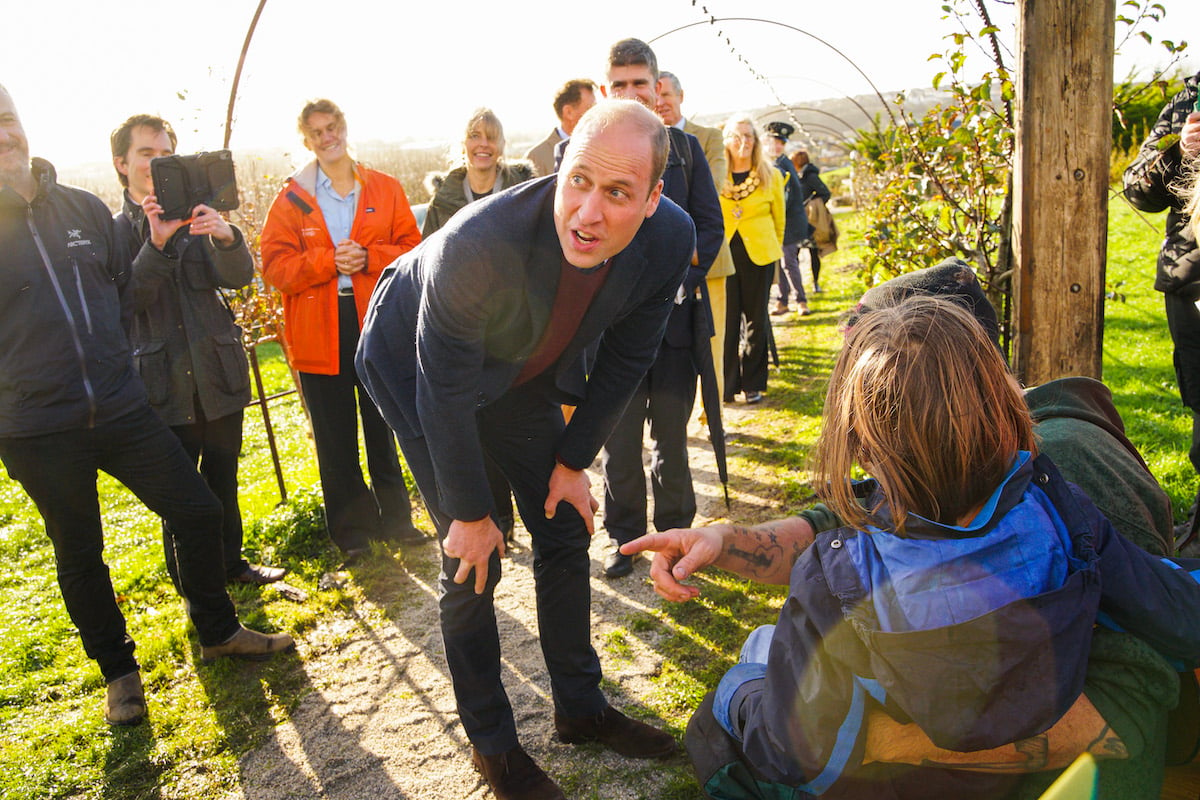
[(75, 238)]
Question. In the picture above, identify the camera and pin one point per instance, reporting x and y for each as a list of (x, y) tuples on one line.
[(183, 182)]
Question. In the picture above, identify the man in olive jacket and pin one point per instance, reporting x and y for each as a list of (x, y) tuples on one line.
[(186, 345)]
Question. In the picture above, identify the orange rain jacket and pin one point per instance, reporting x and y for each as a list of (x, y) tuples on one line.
[(297, 258)]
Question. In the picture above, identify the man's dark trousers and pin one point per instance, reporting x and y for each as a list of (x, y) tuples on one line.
[(58, 471), (519, 432), (215, 446), (665, 397), (355, 513)]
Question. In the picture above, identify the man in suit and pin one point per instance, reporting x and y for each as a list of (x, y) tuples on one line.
[(796, 230), (572, 101), (669, 107), (665, 397), (555, 291)]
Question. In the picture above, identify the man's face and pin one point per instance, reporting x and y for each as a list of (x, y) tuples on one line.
[(145, 144), (325, 136), (774, 147), (572, 112), (14, 147), (604, 193), (633, 82), (669, 102)]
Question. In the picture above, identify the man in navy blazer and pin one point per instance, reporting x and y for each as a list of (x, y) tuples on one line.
[(667, 394), (555, 291)]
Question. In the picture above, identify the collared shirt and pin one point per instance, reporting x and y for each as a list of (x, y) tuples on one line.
[(562, 134), (681, 123), (339, 214)]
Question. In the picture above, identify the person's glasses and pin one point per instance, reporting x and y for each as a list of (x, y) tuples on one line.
[(740, 137)]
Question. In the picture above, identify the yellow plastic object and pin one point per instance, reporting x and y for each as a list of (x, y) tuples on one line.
[(1078, 781)]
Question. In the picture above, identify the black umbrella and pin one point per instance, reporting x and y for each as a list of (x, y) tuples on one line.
[(710, 392)]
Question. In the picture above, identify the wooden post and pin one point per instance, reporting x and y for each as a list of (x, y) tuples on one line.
[(1060, 212)]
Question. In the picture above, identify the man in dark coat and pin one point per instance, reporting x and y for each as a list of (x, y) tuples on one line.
[(666, 395), (796, 227), (471, 344), (1157, 181), (71, 405)]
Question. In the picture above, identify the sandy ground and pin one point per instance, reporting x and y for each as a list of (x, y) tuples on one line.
[(380, 721)]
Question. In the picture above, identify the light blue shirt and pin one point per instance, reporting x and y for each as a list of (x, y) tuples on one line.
[(339, 214)]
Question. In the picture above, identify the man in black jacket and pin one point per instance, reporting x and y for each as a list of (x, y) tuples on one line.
[(186, 345), (472, 342), (1157, 181), (71, 404)]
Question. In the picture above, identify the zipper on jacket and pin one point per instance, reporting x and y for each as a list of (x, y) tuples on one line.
[(87, 314), (62, 300)]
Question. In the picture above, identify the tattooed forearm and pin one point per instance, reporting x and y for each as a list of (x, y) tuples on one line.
[(764, 552), (1108, 745), (757, 550), (1027, 755)]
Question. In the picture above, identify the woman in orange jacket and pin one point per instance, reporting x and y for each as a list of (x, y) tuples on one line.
[(330, 232)]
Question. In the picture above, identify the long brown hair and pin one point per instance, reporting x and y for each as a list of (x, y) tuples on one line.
[(921, 400)]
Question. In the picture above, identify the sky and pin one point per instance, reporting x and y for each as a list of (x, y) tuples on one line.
[(414, 72)]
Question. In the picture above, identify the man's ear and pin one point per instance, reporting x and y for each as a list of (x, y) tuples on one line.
[(652, 200), (122, 165)]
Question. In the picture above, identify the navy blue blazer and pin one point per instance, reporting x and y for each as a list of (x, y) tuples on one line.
[(796, 218), (452, 322), (695, 193)]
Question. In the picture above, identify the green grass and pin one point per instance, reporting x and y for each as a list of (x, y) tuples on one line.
[(54, 744)]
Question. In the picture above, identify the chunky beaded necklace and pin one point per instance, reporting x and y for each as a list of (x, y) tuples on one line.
[(740, 191)]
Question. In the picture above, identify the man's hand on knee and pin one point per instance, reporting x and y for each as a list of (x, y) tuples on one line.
[(575, 488), (473, 543)]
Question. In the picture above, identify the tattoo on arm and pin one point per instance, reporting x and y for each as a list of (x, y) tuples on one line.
[(758, 549), (1108, 745)]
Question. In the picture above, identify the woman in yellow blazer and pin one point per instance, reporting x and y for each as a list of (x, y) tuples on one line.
[(752, 202)]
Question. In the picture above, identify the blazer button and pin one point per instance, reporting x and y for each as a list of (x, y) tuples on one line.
[(480, 399)]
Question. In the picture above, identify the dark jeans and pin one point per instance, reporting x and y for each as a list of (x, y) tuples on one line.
[(747, 293), (58, 471), (519, 432), (355, 514), (789, 273), (215, 446), (665, 397), (1183, 321)]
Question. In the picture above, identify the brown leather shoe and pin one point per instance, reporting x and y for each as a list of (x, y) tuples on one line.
[(250, 645), (258, 575), (513, 775), (610, 727), (125, 700)]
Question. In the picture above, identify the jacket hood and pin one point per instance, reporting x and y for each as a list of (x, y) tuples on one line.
[(306, 176), (1079, 398)]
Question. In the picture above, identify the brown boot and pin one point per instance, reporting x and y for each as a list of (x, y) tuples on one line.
[(248, 644), (125, 700), (513, 775), (620, 733)]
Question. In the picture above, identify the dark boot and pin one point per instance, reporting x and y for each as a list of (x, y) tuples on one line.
[(610, 727), (513, 775)]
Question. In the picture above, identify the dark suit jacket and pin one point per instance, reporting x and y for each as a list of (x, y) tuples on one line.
[(696, 195), (452, 322), (796, 225)]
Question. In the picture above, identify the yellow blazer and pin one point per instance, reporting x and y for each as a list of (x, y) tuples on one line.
[(761, 222)]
